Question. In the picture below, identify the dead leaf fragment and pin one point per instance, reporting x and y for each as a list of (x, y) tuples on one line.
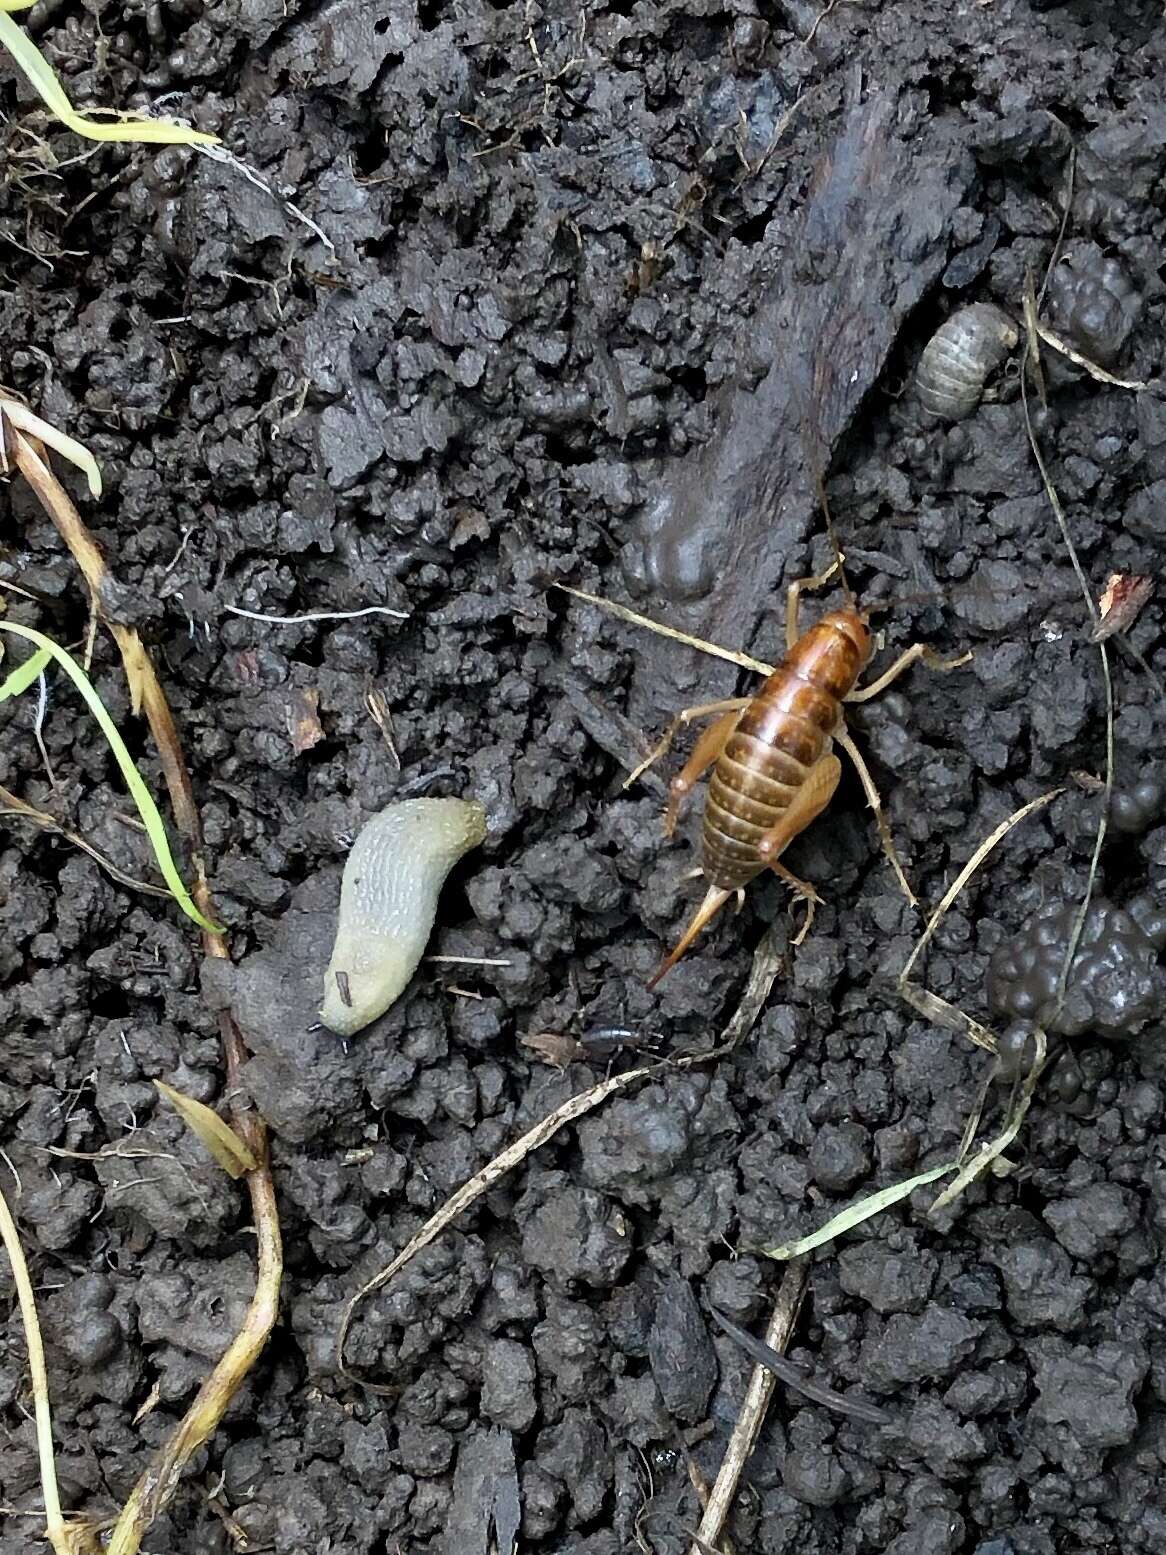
[(137, 669), (471, 525), (149, 1404), (218, 1137), (1122, 601), (247, 667), (303, 722), (378, 710)]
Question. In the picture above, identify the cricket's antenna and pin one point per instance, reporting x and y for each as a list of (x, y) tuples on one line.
[(817, 460), (838, 554)]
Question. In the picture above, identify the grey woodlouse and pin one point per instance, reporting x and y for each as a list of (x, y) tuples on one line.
[(961, 356)]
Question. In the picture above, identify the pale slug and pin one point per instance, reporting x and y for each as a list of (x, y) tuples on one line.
[(388, 901)]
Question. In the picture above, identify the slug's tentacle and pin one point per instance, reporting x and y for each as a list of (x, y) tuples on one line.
[(388, 901)]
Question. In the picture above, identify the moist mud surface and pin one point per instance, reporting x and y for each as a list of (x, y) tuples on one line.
[(530, 295)]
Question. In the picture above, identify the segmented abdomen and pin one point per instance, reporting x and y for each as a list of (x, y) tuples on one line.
[(780, 736), (961, 356)]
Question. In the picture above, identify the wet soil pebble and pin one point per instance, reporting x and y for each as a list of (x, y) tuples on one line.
[(504, 269)]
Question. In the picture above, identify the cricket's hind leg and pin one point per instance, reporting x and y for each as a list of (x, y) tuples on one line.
[(704, 754), (874, 799)]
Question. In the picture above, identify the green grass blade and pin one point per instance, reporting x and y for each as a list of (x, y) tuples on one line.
[(43, 79), (855, 1214), (147, 809), (25, 674), (991, 1152)]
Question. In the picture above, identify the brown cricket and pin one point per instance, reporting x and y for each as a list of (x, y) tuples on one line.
[(772, 755)]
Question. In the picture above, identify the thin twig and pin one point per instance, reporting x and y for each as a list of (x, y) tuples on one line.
[(219, 153), (470, 960), (1091, 607), (10, 804), (42, 705), (1058, 343), (471, 1191), (753, 169), (818, 20), (927, 1003), (752, 1415), (1031, 358), (379, 711), (145, 689), (1054, 257), (158, 1483), (767, 963), (577, 1106), (1103, 650), (990, 1152)]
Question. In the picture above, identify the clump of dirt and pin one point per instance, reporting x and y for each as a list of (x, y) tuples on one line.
[(526, 296)]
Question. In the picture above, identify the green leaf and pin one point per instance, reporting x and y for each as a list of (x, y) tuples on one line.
[(43, 79), (24, 675), (147, 809), (864, 1209)]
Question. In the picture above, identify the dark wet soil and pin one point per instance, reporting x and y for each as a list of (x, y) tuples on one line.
[(600, 290)]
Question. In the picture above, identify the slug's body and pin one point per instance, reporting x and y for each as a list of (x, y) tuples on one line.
[(775, 769), (388, 901), (961, 356)]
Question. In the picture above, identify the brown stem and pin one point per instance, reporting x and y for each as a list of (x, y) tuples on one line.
[(752, 1413), (156, 1486), (145, 687), (159, 1482)]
